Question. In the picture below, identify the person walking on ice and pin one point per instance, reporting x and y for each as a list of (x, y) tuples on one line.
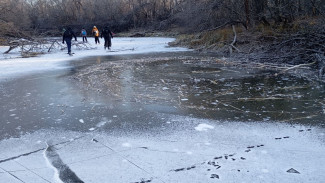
[(95, 32), (84, 35), (108, 35), (67, 37)]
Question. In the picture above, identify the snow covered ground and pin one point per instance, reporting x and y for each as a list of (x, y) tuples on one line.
[(13, 65), (186, 150)]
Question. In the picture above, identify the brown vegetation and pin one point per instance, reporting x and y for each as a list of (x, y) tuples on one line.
[(41, 16)]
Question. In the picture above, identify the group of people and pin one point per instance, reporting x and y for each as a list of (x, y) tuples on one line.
[(68, 34)]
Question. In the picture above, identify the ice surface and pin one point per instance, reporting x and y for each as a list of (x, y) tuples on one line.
[(183, 150), (229, 152), (12, 64)]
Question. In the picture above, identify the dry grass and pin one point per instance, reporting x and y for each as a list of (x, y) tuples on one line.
[(209, 39)]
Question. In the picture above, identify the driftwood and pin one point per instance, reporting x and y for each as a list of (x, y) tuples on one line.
[(138, 34), (295, 67), (232, 23), (227, 23), (40, 46), (232, 44)]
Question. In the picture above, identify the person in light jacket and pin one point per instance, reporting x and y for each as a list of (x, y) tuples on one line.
[(95, 32), (84, 35)]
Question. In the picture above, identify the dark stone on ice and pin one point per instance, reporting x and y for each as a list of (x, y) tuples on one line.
[(278, 138), (180, 169), (249, 147), (247, 150), (218, 157), (301, 130), (189, 168), (242, 158), (291, 170), (286, 137), (214, 176)]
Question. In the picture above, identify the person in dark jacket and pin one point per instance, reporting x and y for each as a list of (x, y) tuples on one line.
[(67, 37), (108, 35)]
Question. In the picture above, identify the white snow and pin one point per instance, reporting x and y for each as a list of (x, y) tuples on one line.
[(126, 144), (103, 122), (203, 127), (12, 64), (179, 154)]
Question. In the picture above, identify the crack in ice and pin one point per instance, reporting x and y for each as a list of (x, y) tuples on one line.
[(65, 174)]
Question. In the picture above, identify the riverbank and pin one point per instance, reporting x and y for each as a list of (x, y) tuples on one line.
[(297, 46)]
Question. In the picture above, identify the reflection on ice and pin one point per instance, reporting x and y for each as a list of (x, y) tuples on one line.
[(194, 87)]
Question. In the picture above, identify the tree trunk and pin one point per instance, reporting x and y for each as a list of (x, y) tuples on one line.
[(247, 11)]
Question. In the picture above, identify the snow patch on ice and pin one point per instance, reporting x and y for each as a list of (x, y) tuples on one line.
[(265, 170), (12, 65), (103, 122), (204, 127), (126, 144)]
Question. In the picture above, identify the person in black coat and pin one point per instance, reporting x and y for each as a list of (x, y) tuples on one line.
[(67, 37), (108, 35)]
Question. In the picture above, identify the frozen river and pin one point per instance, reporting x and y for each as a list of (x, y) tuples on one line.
[(160, 117)]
